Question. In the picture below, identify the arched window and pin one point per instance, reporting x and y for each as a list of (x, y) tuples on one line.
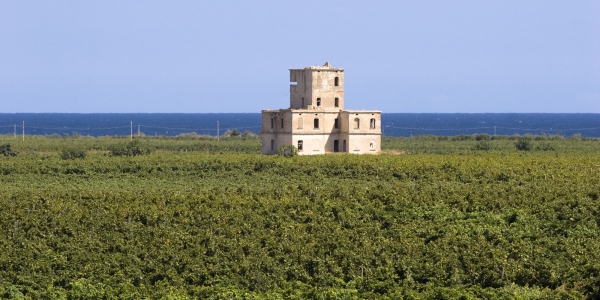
[(356, 123), (316, 123), (337, 81), (372, 124), (272, 122)]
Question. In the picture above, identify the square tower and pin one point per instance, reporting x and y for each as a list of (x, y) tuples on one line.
[(316, 122), (317, 87)]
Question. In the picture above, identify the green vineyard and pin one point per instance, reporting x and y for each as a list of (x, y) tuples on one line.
[(183, 218)]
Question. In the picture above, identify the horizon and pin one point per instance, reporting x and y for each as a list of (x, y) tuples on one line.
[(399, 57), (393, 124), (258, 113)]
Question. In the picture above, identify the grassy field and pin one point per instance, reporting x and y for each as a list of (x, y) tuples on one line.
[(189, 217)]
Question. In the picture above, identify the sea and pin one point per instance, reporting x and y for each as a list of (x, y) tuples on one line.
[(393, 124)]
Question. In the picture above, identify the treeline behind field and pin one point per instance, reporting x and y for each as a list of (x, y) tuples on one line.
[(462, 144)]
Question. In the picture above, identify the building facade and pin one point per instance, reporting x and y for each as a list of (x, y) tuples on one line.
[(316, 122)]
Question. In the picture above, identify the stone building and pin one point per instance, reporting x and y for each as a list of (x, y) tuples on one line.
[(316, 121)]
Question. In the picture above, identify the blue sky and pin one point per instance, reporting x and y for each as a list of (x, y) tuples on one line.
[(234, 56)]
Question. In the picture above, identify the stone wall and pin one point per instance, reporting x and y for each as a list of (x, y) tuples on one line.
[(316, 122), (312, 84)]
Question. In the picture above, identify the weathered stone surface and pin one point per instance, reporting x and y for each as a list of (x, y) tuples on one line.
[(316, 102)]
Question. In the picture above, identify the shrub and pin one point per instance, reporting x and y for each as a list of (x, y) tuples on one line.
[(482, 145), (248, 134), (482, 137), (462, 137), (192, 134), (132, 148), (235, 132), (231, 133), (287, 150), (6, 150), (73, 153), (523, 144), (545, 147)]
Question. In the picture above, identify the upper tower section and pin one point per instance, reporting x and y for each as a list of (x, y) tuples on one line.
[(320, 88)]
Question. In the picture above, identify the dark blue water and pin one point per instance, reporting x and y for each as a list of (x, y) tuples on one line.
[(394, 124)]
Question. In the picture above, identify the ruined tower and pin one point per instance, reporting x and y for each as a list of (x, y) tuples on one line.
[(316, 122)]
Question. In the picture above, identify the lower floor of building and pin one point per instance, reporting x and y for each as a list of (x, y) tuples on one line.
[(309, 144)]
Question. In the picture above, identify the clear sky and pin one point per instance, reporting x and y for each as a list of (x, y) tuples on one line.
[(233, 56)]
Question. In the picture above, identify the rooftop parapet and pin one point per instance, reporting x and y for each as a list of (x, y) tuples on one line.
[(325, 67)]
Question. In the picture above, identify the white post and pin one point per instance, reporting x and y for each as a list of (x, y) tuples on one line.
[(131, 130), (23, 131), (218, 137)]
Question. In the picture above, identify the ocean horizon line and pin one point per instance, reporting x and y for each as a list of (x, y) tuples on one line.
[(392, 124), (574, 113)]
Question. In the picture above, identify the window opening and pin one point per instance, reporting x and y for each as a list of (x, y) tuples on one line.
[(344, 146), (281, 122), (337, 81), (336, 123), (302, 102), (337, 102), (316, 123), (372, 123), (336, 146), (272, 122), (318, 101), (300, 145), (272, 145), (371, 146), (357, 123)]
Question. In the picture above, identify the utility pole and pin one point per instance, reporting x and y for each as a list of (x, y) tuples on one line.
[(218, 137), (131, 130), (23, 131), (15, 132)]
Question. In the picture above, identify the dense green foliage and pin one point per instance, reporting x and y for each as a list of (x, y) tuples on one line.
[(218, 220), (523, 144), (6, 150), (132, 148), (73, 153), (287, 150), (500, 145)]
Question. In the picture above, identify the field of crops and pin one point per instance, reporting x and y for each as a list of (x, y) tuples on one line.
[(444, 218)]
